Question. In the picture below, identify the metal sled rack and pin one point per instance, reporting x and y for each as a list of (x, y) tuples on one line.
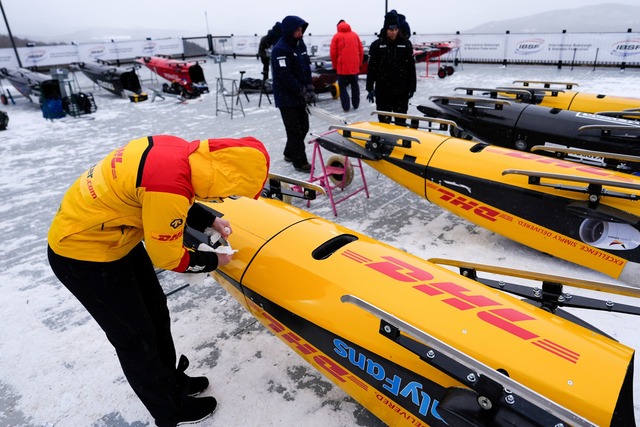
[(414, 121), (496, 390), (546, 84), (375, 139), (525, 95), (594, 188), (472, 101)]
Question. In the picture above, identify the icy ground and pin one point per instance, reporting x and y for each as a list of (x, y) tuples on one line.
[(57, 368)]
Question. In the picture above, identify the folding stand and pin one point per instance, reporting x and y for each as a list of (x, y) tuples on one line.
[(262, 89), (338, 173), (234, 93)]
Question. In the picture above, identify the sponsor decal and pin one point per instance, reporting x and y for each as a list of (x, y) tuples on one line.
[(117, 158), (626, 48), (90, 187), (394, 384), (150, 47), (176, 223), (529, 46), (167, 237), (97, 51), (35, 56), (460, 297)]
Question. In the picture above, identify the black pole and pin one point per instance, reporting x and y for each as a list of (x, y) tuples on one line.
[(386, 6), (13, 43)]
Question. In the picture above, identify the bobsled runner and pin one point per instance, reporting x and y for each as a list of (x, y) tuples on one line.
[(55, 97), (186, 79), (120, 81), (560, 95), (584, 214), (523, 125), (416, 343)]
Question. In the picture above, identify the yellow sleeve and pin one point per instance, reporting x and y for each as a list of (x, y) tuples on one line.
[(164, 216)]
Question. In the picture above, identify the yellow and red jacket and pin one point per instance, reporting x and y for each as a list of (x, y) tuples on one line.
[(145, 190)]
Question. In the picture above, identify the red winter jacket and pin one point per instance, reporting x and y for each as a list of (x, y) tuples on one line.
[(346, 50)]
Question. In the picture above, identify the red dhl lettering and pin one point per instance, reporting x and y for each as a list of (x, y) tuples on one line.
[(297, 343), (117, 158), (461, 298), (482, 211), (167, 237)]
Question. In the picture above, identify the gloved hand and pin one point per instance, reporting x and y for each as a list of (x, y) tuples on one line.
[(310, 87), (410, 95), (371, 96), (309, 96)]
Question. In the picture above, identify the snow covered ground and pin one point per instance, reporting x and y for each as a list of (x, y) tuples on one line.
[(57, 368)]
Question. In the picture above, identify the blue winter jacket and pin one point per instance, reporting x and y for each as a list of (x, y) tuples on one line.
[(290, 64)]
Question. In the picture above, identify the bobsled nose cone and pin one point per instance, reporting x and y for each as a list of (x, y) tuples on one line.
[(429, 111)]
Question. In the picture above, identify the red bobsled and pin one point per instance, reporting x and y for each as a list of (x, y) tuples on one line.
[(187, 78)]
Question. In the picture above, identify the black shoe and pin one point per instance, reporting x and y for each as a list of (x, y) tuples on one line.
[(194, 410), (197, 409), (192, 386), (288, 159), (303, 168)]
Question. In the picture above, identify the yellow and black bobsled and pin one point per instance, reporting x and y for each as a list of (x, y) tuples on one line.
[(561, 95), (584, 214), (416, 343)]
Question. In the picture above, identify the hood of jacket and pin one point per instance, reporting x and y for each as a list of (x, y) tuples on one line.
[(228, 167), (343, 27), (290, 24)]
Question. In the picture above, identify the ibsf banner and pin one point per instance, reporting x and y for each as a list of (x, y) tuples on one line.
[(88, 52)]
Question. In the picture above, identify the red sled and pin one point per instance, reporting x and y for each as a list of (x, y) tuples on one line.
[(186, 78)]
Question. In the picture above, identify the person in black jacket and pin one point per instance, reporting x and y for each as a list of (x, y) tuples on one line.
[(264, 47), (293, 88), (391, 75)]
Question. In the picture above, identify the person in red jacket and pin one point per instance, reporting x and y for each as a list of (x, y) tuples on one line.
[(147, 191), (346, 56)]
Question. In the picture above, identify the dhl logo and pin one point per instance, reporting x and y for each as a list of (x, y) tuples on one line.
[(462, 298), (167, 237), (117, 158), (304, 348)]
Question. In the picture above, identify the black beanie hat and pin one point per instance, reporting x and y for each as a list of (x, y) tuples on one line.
[(391, 18)]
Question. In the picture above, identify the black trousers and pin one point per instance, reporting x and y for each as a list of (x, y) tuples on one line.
[(296, 124), (127, 301), (394, 104)]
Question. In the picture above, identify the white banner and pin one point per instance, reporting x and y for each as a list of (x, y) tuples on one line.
[(543, 48)]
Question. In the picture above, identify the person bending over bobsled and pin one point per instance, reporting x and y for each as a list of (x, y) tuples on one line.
[(147, 190)]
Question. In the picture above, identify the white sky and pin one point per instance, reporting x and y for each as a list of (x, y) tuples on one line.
[(62, 17)]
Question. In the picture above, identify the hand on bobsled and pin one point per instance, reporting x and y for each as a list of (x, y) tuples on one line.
[(371, 96)]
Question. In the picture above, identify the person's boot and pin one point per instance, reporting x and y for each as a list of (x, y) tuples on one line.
[(192, 411), (192, 386)]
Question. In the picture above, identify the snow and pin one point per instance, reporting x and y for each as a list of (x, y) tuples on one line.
[(57, 368)]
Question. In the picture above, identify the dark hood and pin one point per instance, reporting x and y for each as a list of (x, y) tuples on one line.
[(290, 24)]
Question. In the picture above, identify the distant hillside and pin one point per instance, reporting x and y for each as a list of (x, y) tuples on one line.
[(603, 18), (5, 42)]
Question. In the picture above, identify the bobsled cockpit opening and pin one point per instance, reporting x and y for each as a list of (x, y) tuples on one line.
[(329, 247)]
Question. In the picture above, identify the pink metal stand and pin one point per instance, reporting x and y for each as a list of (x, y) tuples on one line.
[(326, 171)]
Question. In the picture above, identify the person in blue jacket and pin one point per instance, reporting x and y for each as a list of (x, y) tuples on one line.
[(293, 88)]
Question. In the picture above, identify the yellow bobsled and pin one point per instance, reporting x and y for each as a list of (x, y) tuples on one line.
[(415, 343), (584, 214), (561, 95)]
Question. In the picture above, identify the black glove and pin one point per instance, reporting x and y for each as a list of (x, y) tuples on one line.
[(310, 88), (309, 96), (371, 96), (410, 95)]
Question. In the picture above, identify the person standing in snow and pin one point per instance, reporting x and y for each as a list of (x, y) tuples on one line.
[(391, 73), (293, 88), (147, 190), (264, 48), (347, 54)]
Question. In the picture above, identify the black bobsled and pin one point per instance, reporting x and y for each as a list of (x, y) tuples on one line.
[(527, 127), (53, 93), (120, 81)]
